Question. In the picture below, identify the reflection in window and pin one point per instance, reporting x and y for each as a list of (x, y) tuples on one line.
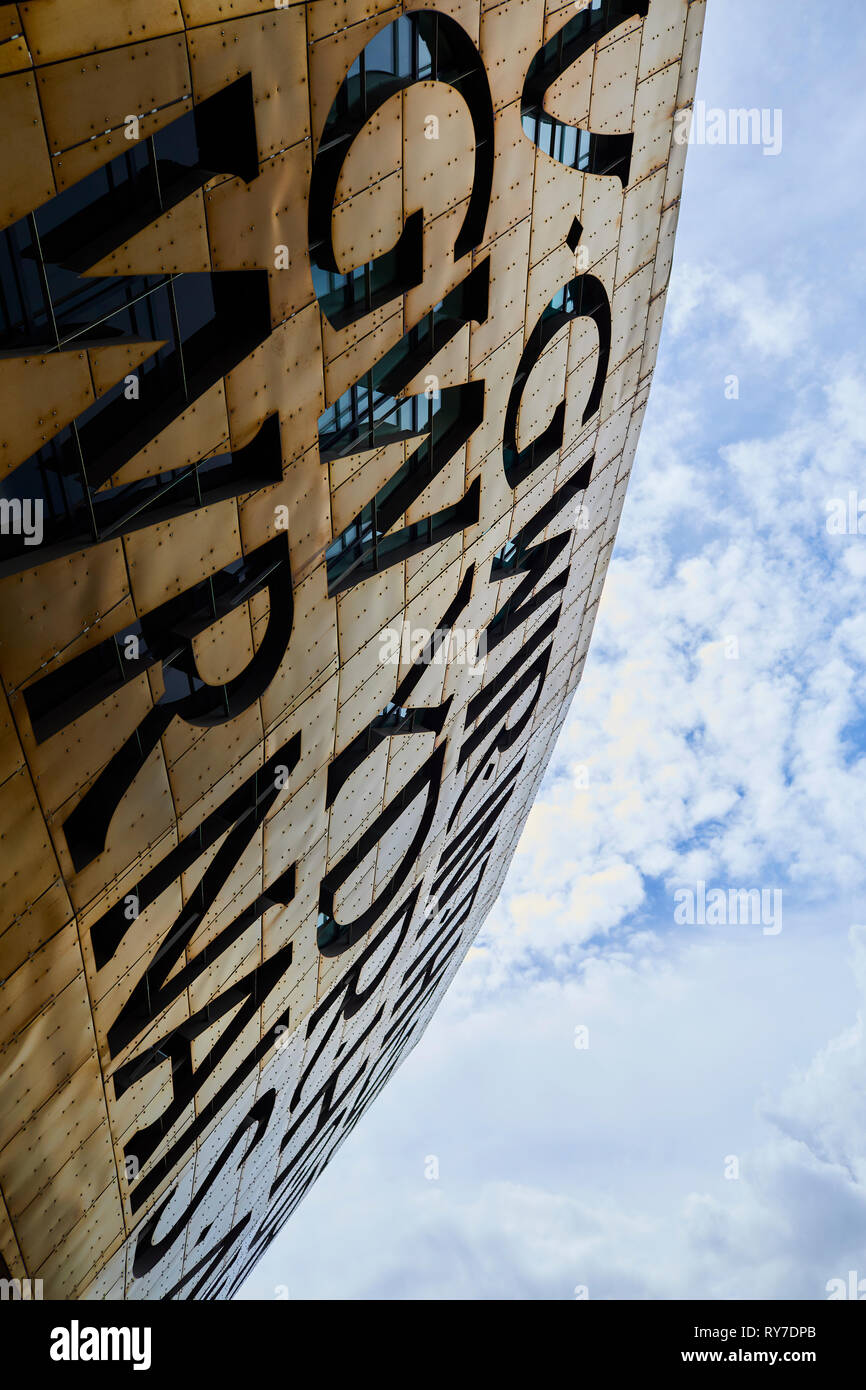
[(203, 325), (369, 414), (415, 47), (576, 148)]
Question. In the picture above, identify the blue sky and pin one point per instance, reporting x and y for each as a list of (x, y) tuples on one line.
[(603, 1168)]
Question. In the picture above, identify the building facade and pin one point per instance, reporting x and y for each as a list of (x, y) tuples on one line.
[(328, 330)]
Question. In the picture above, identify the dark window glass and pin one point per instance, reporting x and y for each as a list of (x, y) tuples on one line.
[(178, 142), (24, 315), (380, 55)]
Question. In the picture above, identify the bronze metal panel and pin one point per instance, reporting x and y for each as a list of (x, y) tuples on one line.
[(191, 775), (511, 198), (614, 78), (200, 430), (40, 396), (28, 866), (372, 473), (544, 390), (438, 148), (165, 559), (421, 569), (223, 649), (86, 101), (326, 17), (27, 174), (10, 23), (93, 1239), (175, 241), (9, 1249), (351, 353), (11, 753), (314, 656), (511, 35), (441, 271), (44, 1014), (143, 817), (208, 11), (556, 187), (655, 102), (303, 498), (369, 223), (14, 54), (662, 38), (46, 915), (34, 633), (376, 152), (59, 29), (509, 269), (362, 612), (74, 756), (330, 57), (497, 372), (67, 1138), (272, 48), (629, 305), (256, 388), (466, 12), (109, 365), (250, 223)]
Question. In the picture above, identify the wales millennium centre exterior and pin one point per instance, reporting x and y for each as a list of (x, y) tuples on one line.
[(327, 334)]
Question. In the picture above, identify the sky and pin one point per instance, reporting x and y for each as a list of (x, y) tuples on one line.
[(621, 1104)]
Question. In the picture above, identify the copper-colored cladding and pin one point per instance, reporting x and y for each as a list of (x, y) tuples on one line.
[(28, 177), (85, 102), (41, 395), (72, 73), (199, 431), (511, 35), (57, 29), (271, 47), (175, 241)]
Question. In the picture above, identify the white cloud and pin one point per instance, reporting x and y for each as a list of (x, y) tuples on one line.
[(605, 1166), (713, 711), (774, 326)]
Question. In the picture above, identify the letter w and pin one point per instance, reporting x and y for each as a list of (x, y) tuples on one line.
[(187, 331)]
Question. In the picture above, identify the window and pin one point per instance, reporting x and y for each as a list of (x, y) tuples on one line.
[(413, 48), (206, 324), (578, 149)]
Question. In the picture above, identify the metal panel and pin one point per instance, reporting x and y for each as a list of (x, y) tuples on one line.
[(655, 101), (249, 223), (438, 148), (14, 54), (28, 868), (175, 241), (57, 29), (86, 101), (511, 35), (28, 177), (271, 48), (40, 395)]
